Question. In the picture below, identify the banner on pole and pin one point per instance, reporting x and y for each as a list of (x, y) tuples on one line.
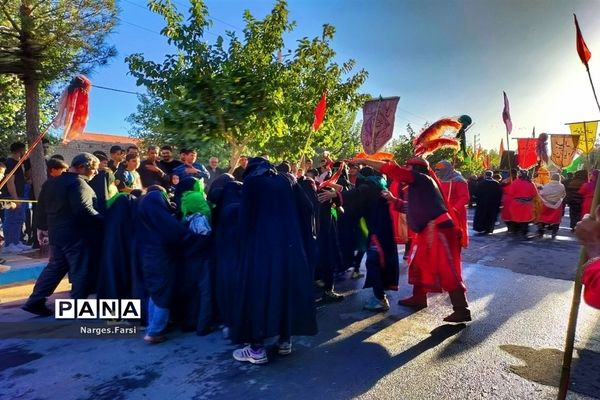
[(563, 148), (526, 152), (587, 136), (378, 123)]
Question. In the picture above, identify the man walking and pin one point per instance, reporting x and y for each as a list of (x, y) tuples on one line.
[(67, 219)]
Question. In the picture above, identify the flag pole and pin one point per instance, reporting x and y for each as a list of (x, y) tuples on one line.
[(25, 156), (587, 147), (587, 68), (508, 157), (565, 373)]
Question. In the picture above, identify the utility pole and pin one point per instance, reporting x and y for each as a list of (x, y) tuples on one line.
[(476, 141)]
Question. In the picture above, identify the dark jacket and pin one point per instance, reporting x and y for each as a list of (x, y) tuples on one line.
[(67, 209)]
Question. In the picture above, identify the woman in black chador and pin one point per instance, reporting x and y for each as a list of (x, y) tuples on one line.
[(274, 296), (488, 193), (225, 194)]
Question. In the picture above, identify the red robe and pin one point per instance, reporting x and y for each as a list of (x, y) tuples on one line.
[(434, 261), (522, 192), (506, 201), (457, 193), (591, 282)]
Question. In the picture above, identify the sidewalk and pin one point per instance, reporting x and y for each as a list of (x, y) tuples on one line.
[(22, 267)]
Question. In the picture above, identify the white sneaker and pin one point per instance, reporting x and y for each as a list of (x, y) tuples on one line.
[(12, 249), (284, 348), (258, 356)]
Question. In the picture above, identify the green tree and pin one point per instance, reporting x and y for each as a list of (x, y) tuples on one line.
[(238, 91), (45, 41), (402, 147)]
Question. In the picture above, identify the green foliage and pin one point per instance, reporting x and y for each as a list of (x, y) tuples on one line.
[(402, 147), (12, 111), (54, 39), (238, 91)]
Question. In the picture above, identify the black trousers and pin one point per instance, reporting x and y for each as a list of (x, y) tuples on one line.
[(73, 258)]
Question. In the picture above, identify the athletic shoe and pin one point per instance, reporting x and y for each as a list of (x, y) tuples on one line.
[(284, 348), (247, 354), (377, 305), (12, 249), (330, 297)]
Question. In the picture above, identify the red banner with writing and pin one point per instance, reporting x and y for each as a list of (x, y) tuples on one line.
[(526, 152)]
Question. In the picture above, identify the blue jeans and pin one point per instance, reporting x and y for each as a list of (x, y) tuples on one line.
[(13, 225), (157, 319)]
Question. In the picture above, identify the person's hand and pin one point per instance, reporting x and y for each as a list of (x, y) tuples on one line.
[(386, 194), (154, 168), (588, 232), (326, 196), (192, 170), (11, 205), (42, 237)]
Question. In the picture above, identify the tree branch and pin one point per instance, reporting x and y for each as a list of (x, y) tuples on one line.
[(12, 22)]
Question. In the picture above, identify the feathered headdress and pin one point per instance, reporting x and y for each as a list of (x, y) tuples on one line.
[(541, 149), (73, 108), (431, 138)]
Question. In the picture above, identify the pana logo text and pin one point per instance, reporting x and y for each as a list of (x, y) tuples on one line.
[(97, 309)]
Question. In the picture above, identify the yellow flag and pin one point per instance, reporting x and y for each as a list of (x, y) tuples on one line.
[(587, 136)]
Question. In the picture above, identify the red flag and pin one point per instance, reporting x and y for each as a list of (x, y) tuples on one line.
[(506, 115), (527, 157), (320, 112), (501, 151), (73, 108), (584, 53)]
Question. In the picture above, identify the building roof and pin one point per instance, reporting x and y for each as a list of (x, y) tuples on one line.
[(106, 138)]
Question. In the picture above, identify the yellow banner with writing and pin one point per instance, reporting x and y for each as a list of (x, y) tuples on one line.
[(587, 134)]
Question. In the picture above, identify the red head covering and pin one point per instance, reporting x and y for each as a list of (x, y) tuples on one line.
[(418, 161)]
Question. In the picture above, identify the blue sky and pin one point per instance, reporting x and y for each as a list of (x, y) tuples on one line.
[(443, 58)]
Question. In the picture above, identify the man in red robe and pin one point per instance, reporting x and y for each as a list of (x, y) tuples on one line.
[(434, 263), (522, 191)]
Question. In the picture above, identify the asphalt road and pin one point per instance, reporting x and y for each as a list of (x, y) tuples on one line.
[(520, 294)]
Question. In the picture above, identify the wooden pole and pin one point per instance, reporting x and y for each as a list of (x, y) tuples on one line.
[(565, 373), (25, 156)]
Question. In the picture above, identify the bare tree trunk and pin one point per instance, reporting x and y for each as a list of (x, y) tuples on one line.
[(32, 97), (32, 123)]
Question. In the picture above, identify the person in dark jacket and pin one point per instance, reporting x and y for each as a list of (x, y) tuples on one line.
[(67, 219), (574, 199), (489, 199), (165, 247)]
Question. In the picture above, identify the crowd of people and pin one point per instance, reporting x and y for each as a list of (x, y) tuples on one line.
[(256, 251), (522, 201)]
